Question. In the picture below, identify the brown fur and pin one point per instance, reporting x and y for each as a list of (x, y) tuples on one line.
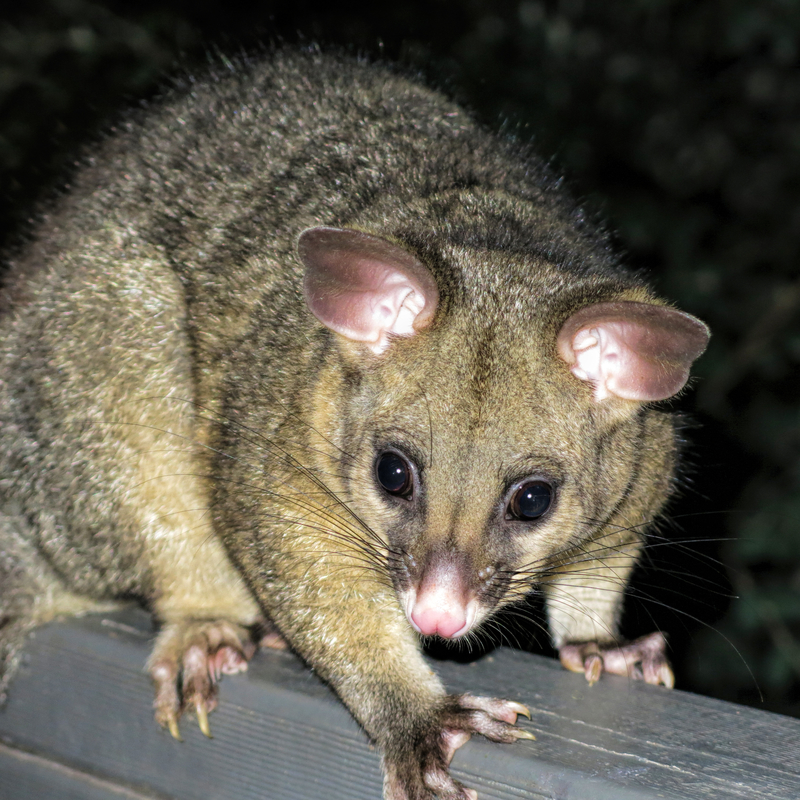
[(176, 427)]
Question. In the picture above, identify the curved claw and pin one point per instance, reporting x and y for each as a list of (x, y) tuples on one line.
[(172, 725), (518, 708), (202, 719), (593, 668)]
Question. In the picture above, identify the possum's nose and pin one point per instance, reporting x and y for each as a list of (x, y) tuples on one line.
[(441, 604)]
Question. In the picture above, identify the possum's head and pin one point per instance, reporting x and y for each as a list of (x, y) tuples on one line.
[(498, 419)]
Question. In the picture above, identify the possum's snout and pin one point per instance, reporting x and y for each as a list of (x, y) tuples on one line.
[(441, 603)]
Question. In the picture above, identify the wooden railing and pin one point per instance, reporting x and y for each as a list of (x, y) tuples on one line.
[(79, 726)]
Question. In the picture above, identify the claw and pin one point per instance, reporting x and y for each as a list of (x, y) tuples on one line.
[(202, 719), (518, 708), (172, 724), (593, 668), (523, 734), (664, 676)]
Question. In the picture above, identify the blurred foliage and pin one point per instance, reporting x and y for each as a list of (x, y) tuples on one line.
[(679, 120)]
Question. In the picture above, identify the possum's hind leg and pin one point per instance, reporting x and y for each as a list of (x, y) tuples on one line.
[(30, 595)]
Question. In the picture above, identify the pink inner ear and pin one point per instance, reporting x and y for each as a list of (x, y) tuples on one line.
[(365, 288), (634, 351)]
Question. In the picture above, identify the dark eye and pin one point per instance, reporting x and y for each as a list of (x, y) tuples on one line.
[(394, 474), (531, 501)]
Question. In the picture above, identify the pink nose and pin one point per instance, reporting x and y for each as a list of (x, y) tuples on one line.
[(444, 622), (440, 604)]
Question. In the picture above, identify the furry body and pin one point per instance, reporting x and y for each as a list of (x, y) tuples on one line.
[(177, 428)]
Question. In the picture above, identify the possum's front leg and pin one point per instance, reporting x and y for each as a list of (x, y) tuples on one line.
[(188, 659), (356, 637), (585, 589), (210, 625), (584, 605), (642, 659), (416, 759)]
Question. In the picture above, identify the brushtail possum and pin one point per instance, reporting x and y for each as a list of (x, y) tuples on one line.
[(305, 355)]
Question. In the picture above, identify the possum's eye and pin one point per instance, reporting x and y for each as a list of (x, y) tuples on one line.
[(394, 474), (530, 501)]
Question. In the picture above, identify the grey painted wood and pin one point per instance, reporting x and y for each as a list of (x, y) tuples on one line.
[(34, 777), (78, 724)]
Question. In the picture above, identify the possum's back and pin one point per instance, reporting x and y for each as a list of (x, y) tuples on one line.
[(218, 177)]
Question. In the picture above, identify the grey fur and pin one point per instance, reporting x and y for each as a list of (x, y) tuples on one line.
[(157, 350)]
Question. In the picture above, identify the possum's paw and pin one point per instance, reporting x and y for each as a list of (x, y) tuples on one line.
[(643, 659), (187, 662), (419, 768)]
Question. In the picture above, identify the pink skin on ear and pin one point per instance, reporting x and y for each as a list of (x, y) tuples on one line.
[(633, 351), (364, 287)]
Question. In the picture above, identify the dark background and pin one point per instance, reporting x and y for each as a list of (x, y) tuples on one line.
[(677, 121)]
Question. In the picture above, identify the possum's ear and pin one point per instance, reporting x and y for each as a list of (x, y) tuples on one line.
[(635, 351), (365, 288)]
